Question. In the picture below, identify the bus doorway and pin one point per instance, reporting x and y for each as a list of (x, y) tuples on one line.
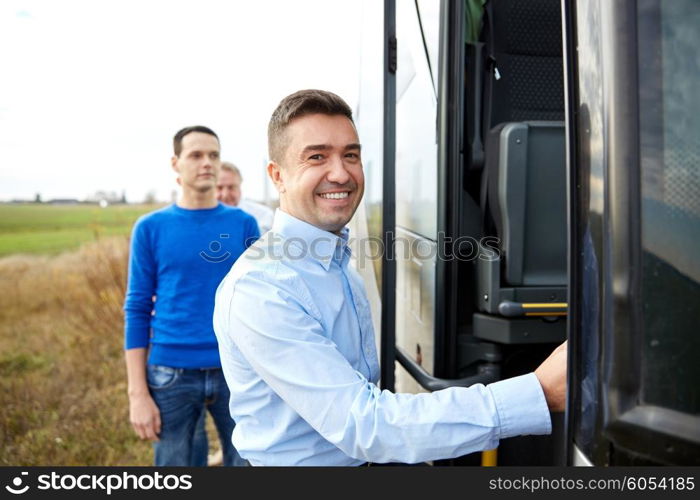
[(539, 180)]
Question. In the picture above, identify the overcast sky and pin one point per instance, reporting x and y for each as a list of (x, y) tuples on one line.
[(92, 91)]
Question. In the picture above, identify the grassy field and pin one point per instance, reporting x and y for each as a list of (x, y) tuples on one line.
[(63, 394), (62, 377), (51, 229)]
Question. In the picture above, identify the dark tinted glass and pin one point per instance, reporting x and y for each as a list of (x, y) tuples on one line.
[(669, 100)]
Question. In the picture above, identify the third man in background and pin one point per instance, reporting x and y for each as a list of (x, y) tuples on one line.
[(228, 191)]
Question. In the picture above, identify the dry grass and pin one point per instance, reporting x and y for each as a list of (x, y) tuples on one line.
[(62, 378)]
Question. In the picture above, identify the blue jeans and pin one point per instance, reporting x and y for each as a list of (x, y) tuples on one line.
[(182, 395), (200, 442)]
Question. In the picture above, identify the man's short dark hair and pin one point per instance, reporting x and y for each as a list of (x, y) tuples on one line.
[(177, 140), (298, 104)]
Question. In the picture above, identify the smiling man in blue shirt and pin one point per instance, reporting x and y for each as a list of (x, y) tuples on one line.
[(296, 338)]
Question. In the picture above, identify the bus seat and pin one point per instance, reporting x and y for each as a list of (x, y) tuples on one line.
[(527, 189), (514, 71), (524, 64), (523, 182), (527, 200)]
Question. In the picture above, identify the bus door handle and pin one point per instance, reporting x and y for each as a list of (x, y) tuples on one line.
[(488, 373)]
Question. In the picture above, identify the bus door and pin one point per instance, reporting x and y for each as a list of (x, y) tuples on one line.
[(480, 222), (633, 95)]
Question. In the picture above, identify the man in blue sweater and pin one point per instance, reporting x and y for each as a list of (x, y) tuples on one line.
[(179, 254)]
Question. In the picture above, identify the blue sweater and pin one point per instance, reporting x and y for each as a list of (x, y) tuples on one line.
[(180, 256)]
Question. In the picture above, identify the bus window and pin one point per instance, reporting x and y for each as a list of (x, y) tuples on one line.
[(669, 74), (634, 381)]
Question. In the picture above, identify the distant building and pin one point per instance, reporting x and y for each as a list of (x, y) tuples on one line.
[(63, 201), (108, 196), (150, 197)]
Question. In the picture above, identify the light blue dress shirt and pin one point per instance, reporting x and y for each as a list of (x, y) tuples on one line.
[(297, 348)]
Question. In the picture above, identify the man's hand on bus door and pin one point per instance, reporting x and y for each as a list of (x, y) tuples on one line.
[(552, 376)]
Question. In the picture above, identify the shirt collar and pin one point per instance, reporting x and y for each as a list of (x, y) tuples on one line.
[(313, 241)]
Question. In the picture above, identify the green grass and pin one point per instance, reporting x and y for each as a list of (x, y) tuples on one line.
[(52, 229), (63, 389)]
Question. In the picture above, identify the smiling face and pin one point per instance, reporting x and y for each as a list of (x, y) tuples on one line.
[(320, 180), (198, 163)]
